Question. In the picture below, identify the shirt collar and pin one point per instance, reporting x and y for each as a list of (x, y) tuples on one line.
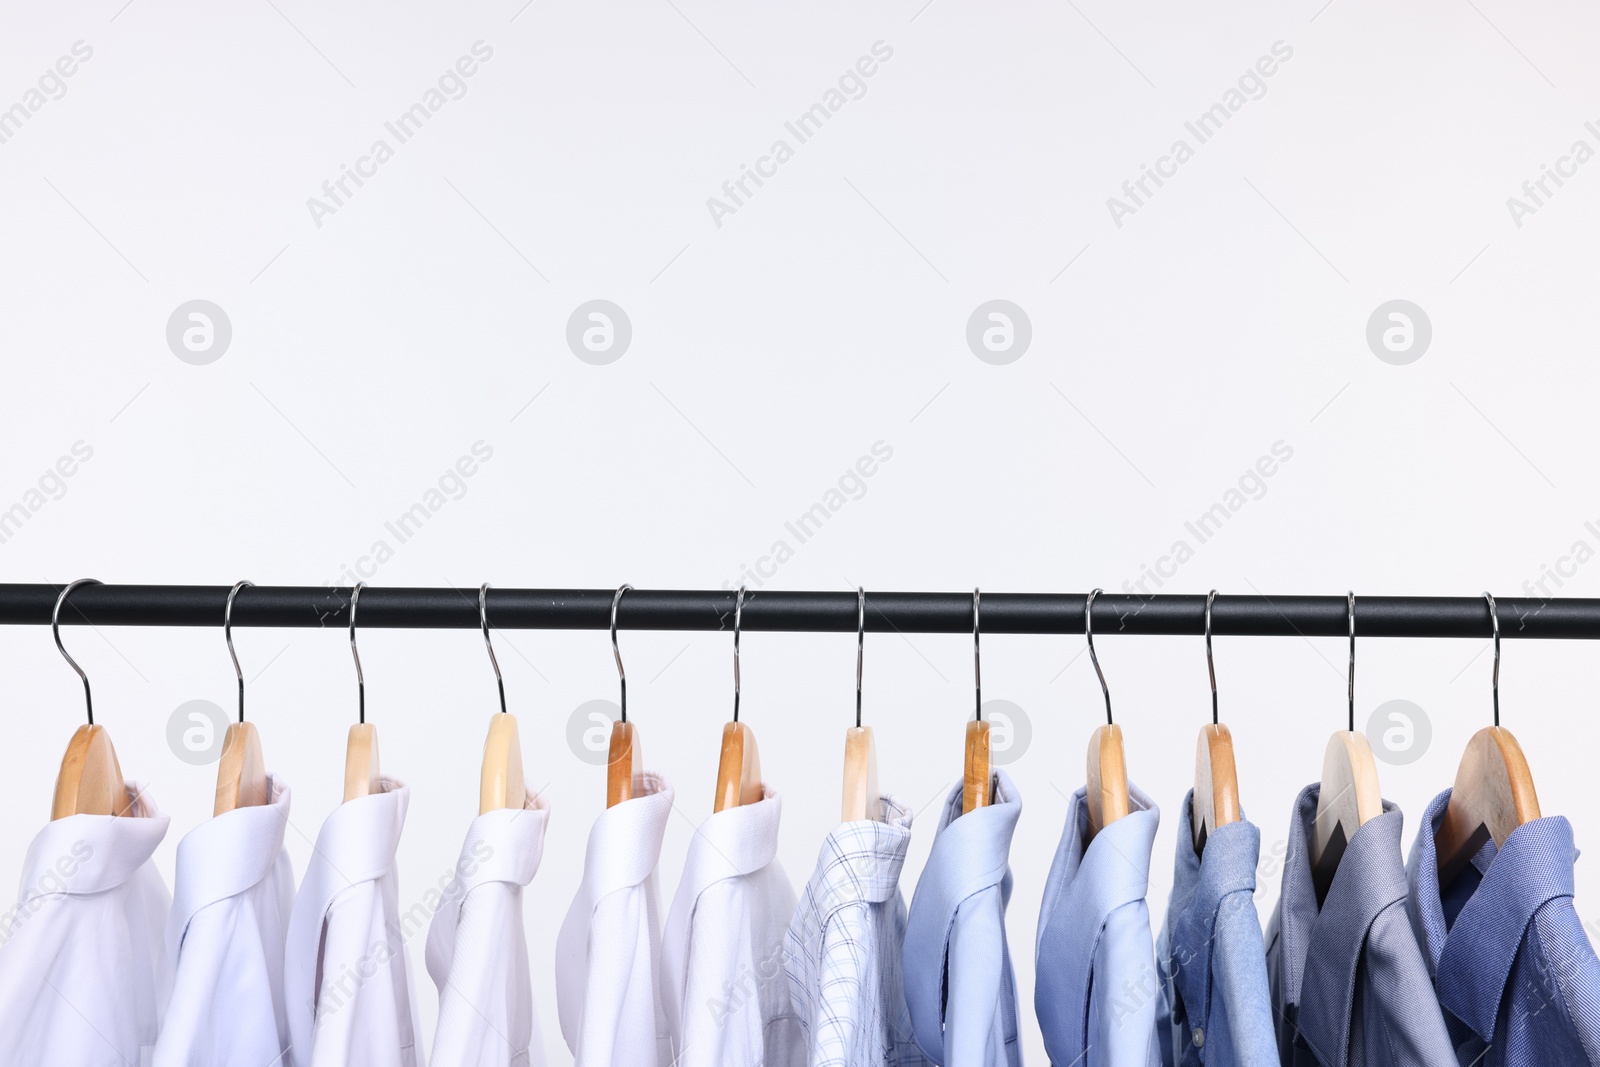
[(226, 855), (861, 860), (1201, 881), (83, 854), (1472, 959), (625, 842), (1324, 947), (504, 845), (734, 842), (1087, 884)]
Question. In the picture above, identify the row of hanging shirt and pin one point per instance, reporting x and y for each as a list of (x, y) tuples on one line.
[(1379, 967)]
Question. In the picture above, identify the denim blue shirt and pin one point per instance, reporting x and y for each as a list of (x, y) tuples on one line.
[(1096, 988), (1216, 1008), (1515, 973), (960, 989), (1349, 988)]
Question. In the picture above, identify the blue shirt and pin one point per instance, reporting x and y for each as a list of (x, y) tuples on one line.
[(960, 990), (1096, 988), (1216, 1007), (1349, 988), (1516, 976)]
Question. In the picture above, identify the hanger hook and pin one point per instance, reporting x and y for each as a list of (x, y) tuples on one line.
[(355, 654), (1211, 664), (1350, 609), (1494, 619), (227, 635), (622, 676), (483, 621), (861, 643), (977, 660), (55, 631), (738, 619), (1088, 633)]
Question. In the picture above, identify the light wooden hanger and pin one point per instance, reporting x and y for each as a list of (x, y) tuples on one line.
[(625, 760), (977, 778), (242, 770), (361, 747), (1107, 787), (90, 781), (1216, 781), (500, 784), (1349, 796), (861, 797), (739, 767), (1493, 792)]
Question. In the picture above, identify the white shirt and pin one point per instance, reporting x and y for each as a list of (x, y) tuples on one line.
[(722, 980), (843, 950), (230, 910), (345, 977), (84, 972), (608, 952), (477, 950)]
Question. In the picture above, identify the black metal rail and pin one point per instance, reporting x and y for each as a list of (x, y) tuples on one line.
[(774, 610)]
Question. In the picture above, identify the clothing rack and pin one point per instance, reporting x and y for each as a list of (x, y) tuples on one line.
[(820, 612)]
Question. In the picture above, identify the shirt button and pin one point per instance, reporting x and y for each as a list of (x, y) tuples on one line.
[(1199, 1037)]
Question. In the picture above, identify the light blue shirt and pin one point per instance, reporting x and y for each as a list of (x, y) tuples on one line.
[(1096, 987), (960, 989), (1216, 1007), (1516, 976)]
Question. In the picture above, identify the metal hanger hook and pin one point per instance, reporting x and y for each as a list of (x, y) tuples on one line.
[(1350, 609), (1211, 664), (977, 660), (55, 631), (483, 621), (861, 643), (227, 635), (622, 676), (1494, 618), (738, 619), (355, 654), (1088, 633)]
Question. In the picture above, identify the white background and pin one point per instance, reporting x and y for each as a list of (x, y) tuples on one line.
[(826, 314)]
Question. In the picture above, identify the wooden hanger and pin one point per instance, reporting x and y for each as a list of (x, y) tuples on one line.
[(861, 799), (1493, 792), (977, 775), (500, 782), (1216, 781), (1106, 791), (90, 781), (242, 770), (625, 760), (739, 766), (1349, 795), (361, 774)]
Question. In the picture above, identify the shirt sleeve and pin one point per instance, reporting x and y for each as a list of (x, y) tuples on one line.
[(486, 1004), (1400, 993), (621, 1021), (974, 969), (1126, 989), (363, 1005), (837, 1021), (222, 973), (1240, 964)]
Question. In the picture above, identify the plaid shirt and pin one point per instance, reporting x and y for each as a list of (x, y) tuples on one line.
[(842, 953)]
